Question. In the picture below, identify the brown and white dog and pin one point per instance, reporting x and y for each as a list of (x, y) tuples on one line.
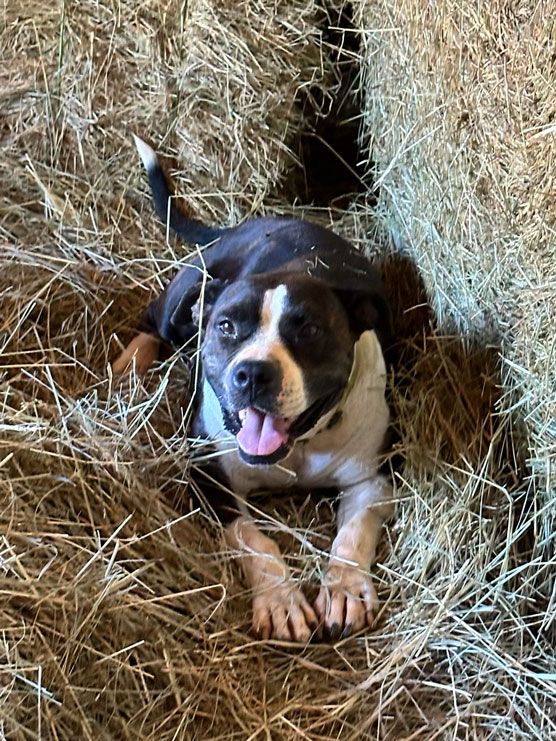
[(293, 393)]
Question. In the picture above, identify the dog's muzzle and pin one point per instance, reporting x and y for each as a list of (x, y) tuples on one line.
[(264, 439)]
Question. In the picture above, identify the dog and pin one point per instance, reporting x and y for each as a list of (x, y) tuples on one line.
[(293, 322)]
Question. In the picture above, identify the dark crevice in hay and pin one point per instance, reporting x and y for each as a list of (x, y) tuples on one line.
[(329, 171)]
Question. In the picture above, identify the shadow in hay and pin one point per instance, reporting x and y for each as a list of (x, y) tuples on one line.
[(445, 389), (450, 439)]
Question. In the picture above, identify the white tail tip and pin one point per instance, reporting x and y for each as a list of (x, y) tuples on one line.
[(147, 153)]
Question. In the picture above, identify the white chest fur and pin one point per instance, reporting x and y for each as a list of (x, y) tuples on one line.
[(342, 455)]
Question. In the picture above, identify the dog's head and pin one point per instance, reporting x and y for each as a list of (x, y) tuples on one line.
[(278, 351)]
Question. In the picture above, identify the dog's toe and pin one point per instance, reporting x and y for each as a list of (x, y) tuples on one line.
[(347, 601), (282, 612)]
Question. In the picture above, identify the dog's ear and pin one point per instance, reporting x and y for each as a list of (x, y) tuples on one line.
[(366, 309), (359, 287), (195, 305), (202, 308)]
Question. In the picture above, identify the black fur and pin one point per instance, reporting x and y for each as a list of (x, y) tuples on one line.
[(189, 230)]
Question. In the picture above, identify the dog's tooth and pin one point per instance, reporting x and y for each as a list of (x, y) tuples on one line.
[(147, 153)]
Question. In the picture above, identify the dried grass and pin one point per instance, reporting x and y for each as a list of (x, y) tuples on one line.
[(459, 105), (121, 615)]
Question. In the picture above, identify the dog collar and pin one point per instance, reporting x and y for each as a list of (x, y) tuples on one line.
[(356, 365)]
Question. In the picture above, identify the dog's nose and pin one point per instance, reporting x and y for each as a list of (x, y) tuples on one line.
[(256, 377)]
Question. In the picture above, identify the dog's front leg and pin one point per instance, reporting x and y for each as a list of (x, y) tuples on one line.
[(347, 600), (280, 609)]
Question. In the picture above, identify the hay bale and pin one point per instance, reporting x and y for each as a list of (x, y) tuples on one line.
[(459, 106), (113, 619), (194, 76)]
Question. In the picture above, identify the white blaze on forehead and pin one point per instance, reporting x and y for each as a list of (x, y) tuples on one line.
[(267, 344), (275, 301)]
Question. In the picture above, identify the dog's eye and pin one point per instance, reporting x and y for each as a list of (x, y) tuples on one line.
[(227, 328), (310, 331)]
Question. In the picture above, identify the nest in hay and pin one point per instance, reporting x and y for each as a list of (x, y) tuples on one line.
[(122, 615)]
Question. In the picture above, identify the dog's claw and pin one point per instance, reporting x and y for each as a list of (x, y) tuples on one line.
[(347, 601), (347, 631), (334, 631)]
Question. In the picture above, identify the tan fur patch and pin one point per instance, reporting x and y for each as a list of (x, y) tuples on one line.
[(143, 349)]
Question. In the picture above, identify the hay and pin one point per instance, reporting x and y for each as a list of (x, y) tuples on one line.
[(459, 108), (121, 615)]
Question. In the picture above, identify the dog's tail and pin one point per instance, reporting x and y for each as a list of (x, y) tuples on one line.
[(189, 229)]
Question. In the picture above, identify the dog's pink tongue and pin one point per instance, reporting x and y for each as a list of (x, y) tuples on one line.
[(260, 433)]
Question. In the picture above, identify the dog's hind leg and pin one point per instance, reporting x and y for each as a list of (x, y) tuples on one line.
[(143, 350), (280, 609)]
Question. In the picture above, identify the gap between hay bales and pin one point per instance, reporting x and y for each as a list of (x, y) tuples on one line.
[(122, 617), (329, 171)]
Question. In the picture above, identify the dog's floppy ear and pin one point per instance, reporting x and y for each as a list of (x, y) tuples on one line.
[(366, 308), (359, 287), (174, 314), (195, 305)]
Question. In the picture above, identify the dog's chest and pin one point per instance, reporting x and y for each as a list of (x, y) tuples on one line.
[(342, 448)]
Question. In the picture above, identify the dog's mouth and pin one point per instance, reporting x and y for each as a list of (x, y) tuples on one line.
[(262, 434), (265, 439)]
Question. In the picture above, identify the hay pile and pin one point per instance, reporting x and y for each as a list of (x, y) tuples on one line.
[(121, 616), (459, 107)]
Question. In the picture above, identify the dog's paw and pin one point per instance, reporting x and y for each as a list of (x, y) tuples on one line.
[(282, 612), (347, 601)]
